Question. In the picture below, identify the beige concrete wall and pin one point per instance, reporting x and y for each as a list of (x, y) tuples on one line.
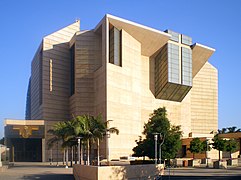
[(87, 61), (36, 109), (131, 99), (124, 97), (55, 104), (56, 48), (204, 100), (125, 94), (149, 171), (100, 82)]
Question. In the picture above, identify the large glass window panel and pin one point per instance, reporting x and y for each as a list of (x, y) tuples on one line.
[(174, 35), (186, 66), (186, 40)]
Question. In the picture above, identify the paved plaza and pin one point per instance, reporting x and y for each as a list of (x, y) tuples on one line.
[(45, 171), (26, 170)]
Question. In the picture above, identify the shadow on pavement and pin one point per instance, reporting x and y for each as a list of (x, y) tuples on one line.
[(38, 166), (50, 176)]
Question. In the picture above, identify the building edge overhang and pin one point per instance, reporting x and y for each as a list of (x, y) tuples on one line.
[(200, 55), (151, 39), (23, 122), (75, 26), (110, 17)]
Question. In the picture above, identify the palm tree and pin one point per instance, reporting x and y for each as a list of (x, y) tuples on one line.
[(59, 134), (90, 128), (108, 131), (80, 127), (70, 140), (98, 130), (222, 131), (233, 129)]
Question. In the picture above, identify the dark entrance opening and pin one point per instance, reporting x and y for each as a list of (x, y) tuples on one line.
[(184, 150), (27, 150)]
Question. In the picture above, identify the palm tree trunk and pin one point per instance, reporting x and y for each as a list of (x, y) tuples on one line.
[(72, 156), (67, 158), (75, 155), (88, 152), (64, 158), (82, 155), (107, 148), (98, 152)]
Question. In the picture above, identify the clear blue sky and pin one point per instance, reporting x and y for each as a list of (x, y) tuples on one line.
[(213, 23)]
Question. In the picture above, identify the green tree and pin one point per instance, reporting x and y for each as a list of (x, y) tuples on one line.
[(231, 146), (59, 134), (159, 123), (81, 128), (219, 144), (198, 146), (143, 148)]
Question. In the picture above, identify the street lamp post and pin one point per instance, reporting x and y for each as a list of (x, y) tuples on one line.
[(79, 138), (207, 141), (155, 139), (162, 138)]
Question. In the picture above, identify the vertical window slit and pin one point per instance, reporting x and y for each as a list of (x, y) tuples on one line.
[(50, 75)]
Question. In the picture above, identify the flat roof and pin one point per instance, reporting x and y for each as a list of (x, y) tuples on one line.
[(23, 122)]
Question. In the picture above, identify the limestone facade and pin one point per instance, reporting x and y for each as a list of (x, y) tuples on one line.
[(124, 93)]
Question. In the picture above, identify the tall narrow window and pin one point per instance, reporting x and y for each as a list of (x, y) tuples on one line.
[(72, 70), (50, 75), (115, 46)]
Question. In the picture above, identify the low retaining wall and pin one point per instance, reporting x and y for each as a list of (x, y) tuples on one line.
[(149, 171)]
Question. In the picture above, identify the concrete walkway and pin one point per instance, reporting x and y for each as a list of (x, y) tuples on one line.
[(203, 173), (27, 170)]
